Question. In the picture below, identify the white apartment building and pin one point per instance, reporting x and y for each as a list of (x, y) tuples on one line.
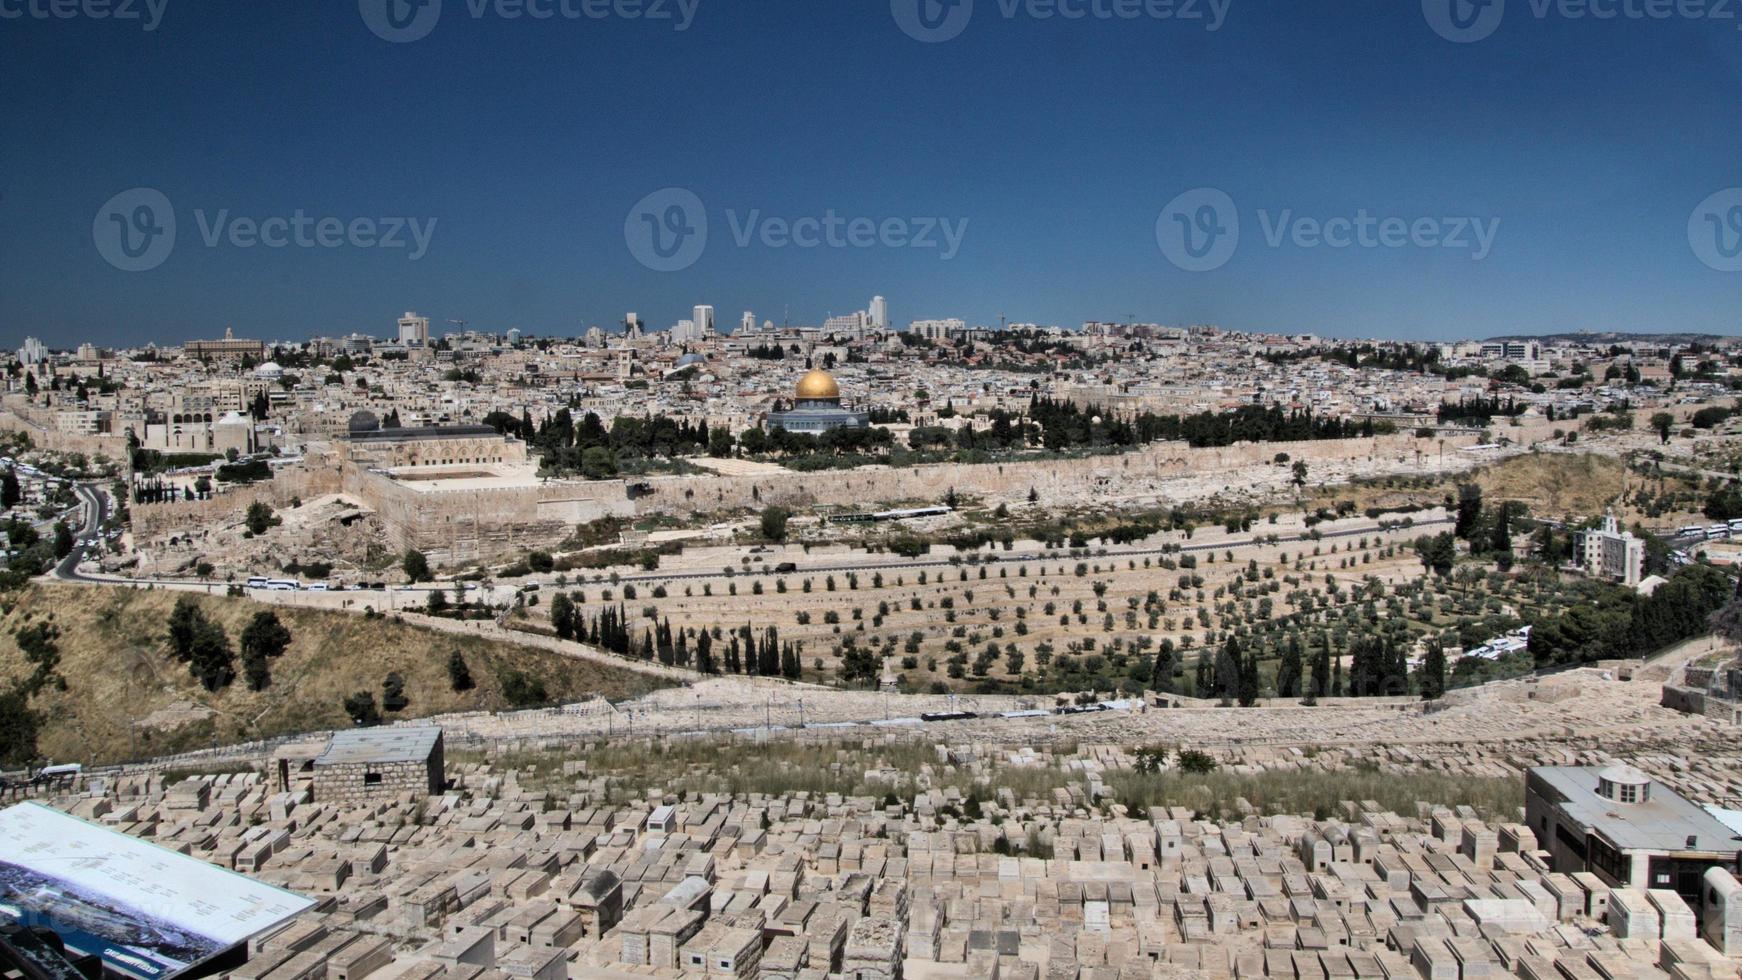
[(1611, 553)]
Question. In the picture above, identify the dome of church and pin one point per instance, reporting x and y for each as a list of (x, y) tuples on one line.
[(364, 421), (818, 385)]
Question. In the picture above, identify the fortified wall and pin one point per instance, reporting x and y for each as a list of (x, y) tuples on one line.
[(461, 526), (315, 477), (1052, 480)]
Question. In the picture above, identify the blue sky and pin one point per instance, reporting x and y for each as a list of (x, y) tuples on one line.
[(1058, 142)]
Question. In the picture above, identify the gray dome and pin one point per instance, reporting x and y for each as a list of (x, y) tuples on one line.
[(364, 421)]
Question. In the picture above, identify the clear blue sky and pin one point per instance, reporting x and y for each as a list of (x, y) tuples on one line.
[(1058, 141)]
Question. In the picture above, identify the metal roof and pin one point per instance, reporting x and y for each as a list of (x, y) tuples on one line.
[(1663, 823), (380, 745)]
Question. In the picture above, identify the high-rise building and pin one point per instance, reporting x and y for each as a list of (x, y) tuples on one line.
[(414, 330), (703, 321), (748, 323), (879, 313), (33, 352)]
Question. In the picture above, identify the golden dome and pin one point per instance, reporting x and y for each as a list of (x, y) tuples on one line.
[(818, 385)]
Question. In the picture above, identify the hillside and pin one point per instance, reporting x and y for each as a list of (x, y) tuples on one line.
[(126, 696)]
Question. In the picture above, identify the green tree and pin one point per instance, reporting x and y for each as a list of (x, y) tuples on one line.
[(10, 492), (1469, 510), (260, 518), (1433, 672), (360, 708), (459, 675), (1227, 679), (1161, 678), (1662, 423), (1288, 670), (416, 566), (63, 539), (774, 523), (184, 624), (19, 725), (263, 639), (213, 662), (562, 616), (393, 693), (522, 690), (598, 463)]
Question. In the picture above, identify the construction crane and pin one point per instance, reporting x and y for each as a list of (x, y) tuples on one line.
[(460, 323)]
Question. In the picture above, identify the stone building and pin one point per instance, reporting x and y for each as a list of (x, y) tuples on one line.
[(1627, 829), (380, 764)]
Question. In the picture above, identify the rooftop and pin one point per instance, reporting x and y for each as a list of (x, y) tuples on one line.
[(380, 745), (1665, 822)]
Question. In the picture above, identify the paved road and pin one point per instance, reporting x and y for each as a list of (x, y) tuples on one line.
[(94, 507)]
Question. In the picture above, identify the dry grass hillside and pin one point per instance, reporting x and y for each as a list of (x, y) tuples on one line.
[(1554, 485), (126, 696)]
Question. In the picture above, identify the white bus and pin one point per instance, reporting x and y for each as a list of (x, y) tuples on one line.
[(282, 585), (1691, 532), (257, 582), (1717, 531)]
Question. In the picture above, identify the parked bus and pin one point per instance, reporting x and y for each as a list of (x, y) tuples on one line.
[(282, 585), (257, 582)]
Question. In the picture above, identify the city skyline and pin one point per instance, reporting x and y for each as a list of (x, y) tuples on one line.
[(1533, 183)]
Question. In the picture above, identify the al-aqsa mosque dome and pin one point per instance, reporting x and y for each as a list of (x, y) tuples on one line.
[(817, 407)]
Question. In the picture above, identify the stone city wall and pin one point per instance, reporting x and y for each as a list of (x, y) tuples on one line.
[(314, 478), (1052, 479), (453, 527), (38, 424)]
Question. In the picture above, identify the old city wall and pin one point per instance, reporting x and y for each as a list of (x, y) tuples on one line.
[(305, 482), (1051, 479), (46, 436), (460, 526)]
